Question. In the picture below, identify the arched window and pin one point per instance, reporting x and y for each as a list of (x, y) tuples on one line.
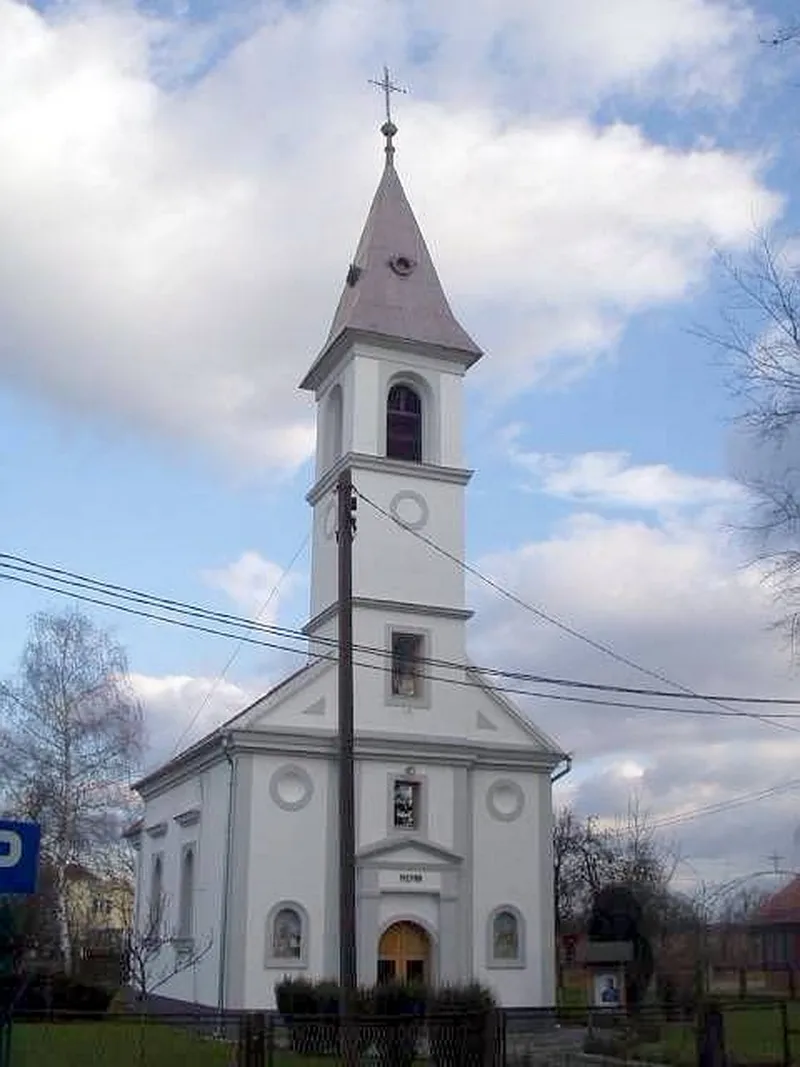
[(506, 938), (186, 909), (335, 424), (287, 936), (404, 424), (156, 910)]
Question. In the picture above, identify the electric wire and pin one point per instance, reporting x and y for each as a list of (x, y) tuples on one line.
[(197, 626), (551, 619), (726, 805), (73, 578), (239, 646)]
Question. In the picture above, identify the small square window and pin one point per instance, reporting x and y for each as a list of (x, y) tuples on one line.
[(407, 652), (406, 805)]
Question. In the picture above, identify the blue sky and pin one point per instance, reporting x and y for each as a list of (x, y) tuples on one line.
[(186, 188)]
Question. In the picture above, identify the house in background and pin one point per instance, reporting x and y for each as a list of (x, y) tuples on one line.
[(776, 929), (99, 908)]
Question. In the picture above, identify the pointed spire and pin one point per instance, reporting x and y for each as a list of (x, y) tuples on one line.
[(392, 286), (392, 291)]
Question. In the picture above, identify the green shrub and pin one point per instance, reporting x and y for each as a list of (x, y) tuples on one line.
[(399, 1012), (462, 1026), (42, 994), (310, 1010)]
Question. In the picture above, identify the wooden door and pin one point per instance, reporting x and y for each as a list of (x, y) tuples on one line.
[(403, 954)]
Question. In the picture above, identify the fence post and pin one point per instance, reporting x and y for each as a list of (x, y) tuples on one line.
[(271, 1040), (787, 1049), (5, 1041), (710, 1036), (241, 1040)]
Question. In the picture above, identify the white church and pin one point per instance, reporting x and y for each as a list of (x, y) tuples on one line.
[(237, 848)]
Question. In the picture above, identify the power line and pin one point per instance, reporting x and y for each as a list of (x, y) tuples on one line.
[(546, 616), (510, 690), (234, 655), (73, 578), (726, 805)]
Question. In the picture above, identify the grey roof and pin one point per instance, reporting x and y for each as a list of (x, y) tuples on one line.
[(392, 289)]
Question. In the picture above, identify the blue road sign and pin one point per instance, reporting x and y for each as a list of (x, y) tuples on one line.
[(19, 856)]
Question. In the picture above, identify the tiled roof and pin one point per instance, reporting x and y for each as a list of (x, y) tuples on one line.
[(393, 288), (783, 906)]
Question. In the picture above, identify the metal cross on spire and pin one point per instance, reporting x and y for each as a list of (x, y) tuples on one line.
[(388, 129)]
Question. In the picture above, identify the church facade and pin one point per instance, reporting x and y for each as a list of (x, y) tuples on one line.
[(237, 850)]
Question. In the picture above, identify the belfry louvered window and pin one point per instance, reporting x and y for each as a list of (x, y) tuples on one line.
[(404, 424)]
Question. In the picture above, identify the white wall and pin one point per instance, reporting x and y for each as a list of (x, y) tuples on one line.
[(208, 792), (287, 863), (510, 860), (389, 562)]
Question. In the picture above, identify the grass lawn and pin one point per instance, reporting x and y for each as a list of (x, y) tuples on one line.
[(752, 1035), (127, 1044), (116, 1044)]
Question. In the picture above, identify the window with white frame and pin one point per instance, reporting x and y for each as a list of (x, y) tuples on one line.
[(506, 937), (335, 424), (287, 936), (186, 897), (406, 804), (407, 651), (156, 907), (404, 424)]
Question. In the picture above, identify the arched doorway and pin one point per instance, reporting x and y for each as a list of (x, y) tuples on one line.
[(404, 954)]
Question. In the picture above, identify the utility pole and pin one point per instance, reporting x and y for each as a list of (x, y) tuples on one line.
[(348, 968), (775, 859)]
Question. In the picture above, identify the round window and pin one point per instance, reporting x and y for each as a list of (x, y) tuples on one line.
[(402, 265)]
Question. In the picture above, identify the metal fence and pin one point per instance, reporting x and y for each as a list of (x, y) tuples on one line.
[(735, 1034)]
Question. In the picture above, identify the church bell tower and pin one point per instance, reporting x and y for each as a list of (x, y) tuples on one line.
[(388, 387)]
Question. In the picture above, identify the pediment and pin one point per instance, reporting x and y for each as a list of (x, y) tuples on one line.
[(500, 717), (292, 702), (410, 852)]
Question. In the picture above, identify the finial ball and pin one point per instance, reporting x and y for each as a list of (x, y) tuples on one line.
[(388, 129)]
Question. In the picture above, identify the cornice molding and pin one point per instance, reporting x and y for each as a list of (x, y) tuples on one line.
[(340, 348), (321, 744), (365, 461), (400, 606), (391, 846), (190, 817)]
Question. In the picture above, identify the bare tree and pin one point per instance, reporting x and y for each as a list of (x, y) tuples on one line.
[(644, 861), (743, 903), (70, 737), (760, 343), (588, 856), (583, 861), (788, 34), (154, 954)]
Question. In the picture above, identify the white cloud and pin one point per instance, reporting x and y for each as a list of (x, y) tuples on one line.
[(672, 49), (611, 479), (180, 709), (254, 584), (188, 245), (673, 597)]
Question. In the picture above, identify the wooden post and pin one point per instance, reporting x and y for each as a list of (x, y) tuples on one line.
[(710, 1036), (348, 963), (786, 1037)]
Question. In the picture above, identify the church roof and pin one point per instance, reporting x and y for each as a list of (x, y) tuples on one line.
[(392, 289)]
